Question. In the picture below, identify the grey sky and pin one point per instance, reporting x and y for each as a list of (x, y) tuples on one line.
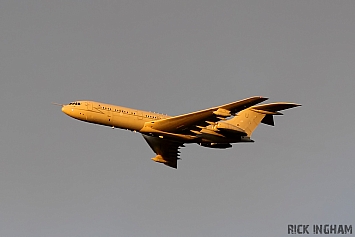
[(61, 177)]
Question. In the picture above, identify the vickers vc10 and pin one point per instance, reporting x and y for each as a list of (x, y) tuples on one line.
[(216, 127)]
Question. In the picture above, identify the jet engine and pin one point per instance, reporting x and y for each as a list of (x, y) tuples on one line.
[(216, 145), (230, 128)]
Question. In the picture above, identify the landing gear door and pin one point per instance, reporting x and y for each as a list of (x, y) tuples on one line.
[(140, 115)]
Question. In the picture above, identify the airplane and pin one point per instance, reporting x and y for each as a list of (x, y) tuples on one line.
[(216, 127)]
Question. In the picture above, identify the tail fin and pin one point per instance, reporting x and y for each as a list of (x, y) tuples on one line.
[(251, 117)]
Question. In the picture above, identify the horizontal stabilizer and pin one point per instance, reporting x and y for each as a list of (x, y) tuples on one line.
[(267, 112), (274, 107)]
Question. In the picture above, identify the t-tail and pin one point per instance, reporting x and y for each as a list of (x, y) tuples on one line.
[(251, 117)]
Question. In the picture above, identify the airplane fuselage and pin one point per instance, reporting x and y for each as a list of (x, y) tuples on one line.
[(110, 115), (134, 120)]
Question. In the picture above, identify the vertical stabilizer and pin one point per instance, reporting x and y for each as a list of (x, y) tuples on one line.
[(251, 117)]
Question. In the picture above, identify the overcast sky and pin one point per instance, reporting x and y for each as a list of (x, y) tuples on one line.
[(63, 177)]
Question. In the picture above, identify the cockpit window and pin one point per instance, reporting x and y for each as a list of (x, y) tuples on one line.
[(74, 103)]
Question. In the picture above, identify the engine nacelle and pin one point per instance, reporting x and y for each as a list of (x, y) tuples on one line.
[(224, 126), (216, 145)]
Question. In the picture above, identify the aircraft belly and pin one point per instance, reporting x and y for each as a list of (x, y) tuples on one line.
[(127, 122), (113, 120)]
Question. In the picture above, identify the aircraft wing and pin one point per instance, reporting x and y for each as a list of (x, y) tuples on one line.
[(167, 151), (200, 118)]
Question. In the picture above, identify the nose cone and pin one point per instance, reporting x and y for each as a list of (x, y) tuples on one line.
[(65, 110)]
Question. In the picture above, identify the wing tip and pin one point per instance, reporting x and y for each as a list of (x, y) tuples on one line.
[(259, 97)]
